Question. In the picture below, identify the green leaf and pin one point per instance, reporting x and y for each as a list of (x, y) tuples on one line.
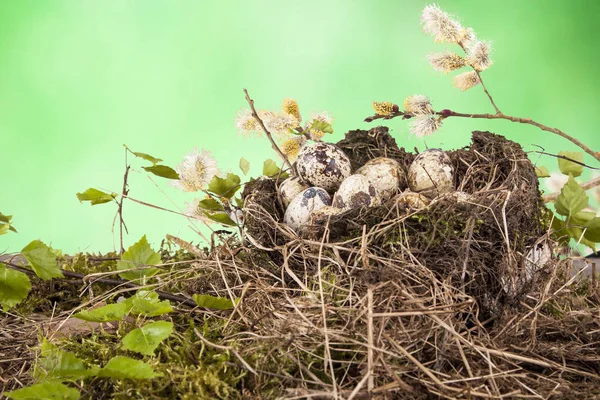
[(45, 391), (136, 256), (221, 218), (5, 218), (559, 231), (212, 302), (225, 187), (572, 199), (145, 156), (244, 165), (582, 218), (321, 126), (146, 339), (270, 168), (14, 287), (592, 232), (163, 171), (542, 172), (42, 260), (210, 205), (147, 303), (57, 363), (577, 234), (109, 312), (569, 167), (121, 367), (239, 202), (95, 196)]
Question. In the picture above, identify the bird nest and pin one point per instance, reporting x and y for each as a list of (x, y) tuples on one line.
[(449, 299)]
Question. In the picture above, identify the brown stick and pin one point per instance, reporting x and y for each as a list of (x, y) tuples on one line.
[(528, 121), (269, 136)]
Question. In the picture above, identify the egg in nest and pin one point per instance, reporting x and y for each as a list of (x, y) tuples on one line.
[(431, 173), (290, 188), (356, 191), (386, 175), (323, 165), (306, 202)]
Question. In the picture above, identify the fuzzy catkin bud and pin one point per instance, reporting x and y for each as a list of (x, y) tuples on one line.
[(291, 147), (478, 55), (418, 104), (384, 108), (466, 80), (438, 23), (446, 62), (290, 106), (425, 125)]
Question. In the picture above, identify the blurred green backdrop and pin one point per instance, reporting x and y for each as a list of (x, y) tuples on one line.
[(78, 78)]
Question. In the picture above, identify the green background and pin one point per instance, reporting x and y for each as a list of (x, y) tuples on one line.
[(78, 78)]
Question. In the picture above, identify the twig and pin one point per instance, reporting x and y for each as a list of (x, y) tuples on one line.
[(448, 113), (124, 193), (487, 93), (586, 186), (108, 281), (269, 136)]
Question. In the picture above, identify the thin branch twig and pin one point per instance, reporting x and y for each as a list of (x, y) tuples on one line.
[(586, 186), (528, 121), (269, 136)]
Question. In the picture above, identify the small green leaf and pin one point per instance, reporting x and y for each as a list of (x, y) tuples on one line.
[(225, 187), (121, 367), (569, 167), (212, 302), (321, 126), (14, 287), (244, 165), (136, 256), (5, 218), (210, 205), (542, 172), (145, 156), (147, 303), (95, 196), (146, 339), (163, 171), (45, 391), (572, 199), (221, 218), (582, 218), (592, 232), (57, 363), (270, 168), (577, 234), (109, 312), (239, 202), (559, 231), (42, 260)]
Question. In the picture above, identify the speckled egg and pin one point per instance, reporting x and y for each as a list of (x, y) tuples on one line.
[(307, 201), (323, 165), (386, 175), (412, 200), (320, 216), (290, 188), (356, 191), (431, 173)]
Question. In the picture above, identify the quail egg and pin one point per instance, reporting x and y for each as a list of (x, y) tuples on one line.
[(356, 191), (307, 201), (386, 175), (431, 173), (323, 165), (320, 216), (412, 200), (290, 188)]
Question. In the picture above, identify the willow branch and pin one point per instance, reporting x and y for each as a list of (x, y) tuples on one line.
[(586, 186), (269, 136), (488, 93), (528, 121)]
